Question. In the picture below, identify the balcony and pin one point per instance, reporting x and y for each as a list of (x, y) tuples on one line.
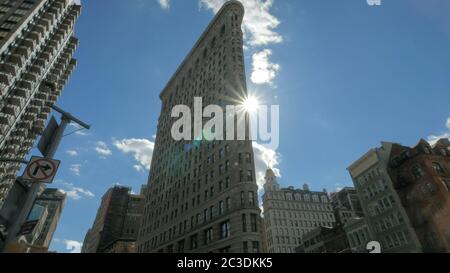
[(33, 109), (16, 141), (17, 101), (6, 119), (30, 77), (42, 62), (39, 29), (37, 102), (24, 51), (26, 84), (6, 79), (20, 132), (17, 59), (35, 36), (45, 24), (25, 124), (28, 117), (36, 70), (11, 69), (11, 110), (50, 50), (11, 149), (42, 116), (41, 96), (50, 17)]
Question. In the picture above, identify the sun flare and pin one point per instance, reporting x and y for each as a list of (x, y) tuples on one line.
[(251, 104)]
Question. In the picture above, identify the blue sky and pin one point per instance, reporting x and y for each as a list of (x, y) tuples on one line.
[(345, 74)]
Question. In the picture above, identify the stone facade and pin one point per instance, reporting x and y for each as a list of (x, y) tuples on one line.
[(291, 213), (346, 205), (202, 195), (383, 210), (117, 222), (421, 177)]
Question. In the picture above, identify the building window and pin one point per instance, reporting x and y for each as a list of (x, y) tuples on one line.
[(254, 222), (242, 198), (194, 243), (249, 176), (228, 203), (225, 230), (181, 246), (255, 246), (417, 172), (208, 236), (244, 223), (221, 207), (248, 158), (245, 247), (438, 168), (251, 198)]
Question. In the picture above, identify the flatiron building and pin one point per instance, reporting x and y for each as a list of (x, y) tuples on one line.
[(202, 195)]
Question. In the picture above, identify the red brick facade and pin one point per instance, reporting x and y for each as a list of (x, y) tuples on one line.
[(421, 176)]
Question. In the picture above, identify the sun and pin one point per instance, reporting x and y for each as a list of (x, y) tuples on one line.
[(251, 104)]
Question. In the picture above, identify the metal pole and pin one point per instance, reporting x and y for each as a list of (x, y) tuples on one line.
[(36, 187)]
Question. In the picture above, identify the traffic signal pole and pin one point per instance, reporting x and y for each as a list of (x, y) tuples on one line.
[(66, 119)]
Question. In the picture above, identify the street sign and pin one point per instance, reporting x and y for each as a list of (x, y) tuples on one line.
[(41, 170)]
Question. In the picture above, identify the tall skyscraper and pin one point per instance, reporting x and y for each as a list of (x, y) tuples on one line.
[(202, 195), (36, 48), (291, 213), (116, 225), (53, 200)]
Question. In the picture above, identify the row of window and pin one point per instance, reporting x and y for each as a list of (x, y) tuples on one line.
[(298, 206), (224, 231)]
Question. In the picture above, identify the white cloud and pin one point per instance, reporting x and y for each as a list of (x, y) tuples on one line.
[(165, 4), (72, 152), (265, 158), (138, 168), (76, 169), (264, 72), (259, 24), (102, 149), (435, 138), (76, 193), (142, 150), (71, 245)]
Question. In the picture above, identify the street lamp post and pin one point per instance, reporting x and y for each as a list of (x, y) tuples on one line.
[(66, 118)]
